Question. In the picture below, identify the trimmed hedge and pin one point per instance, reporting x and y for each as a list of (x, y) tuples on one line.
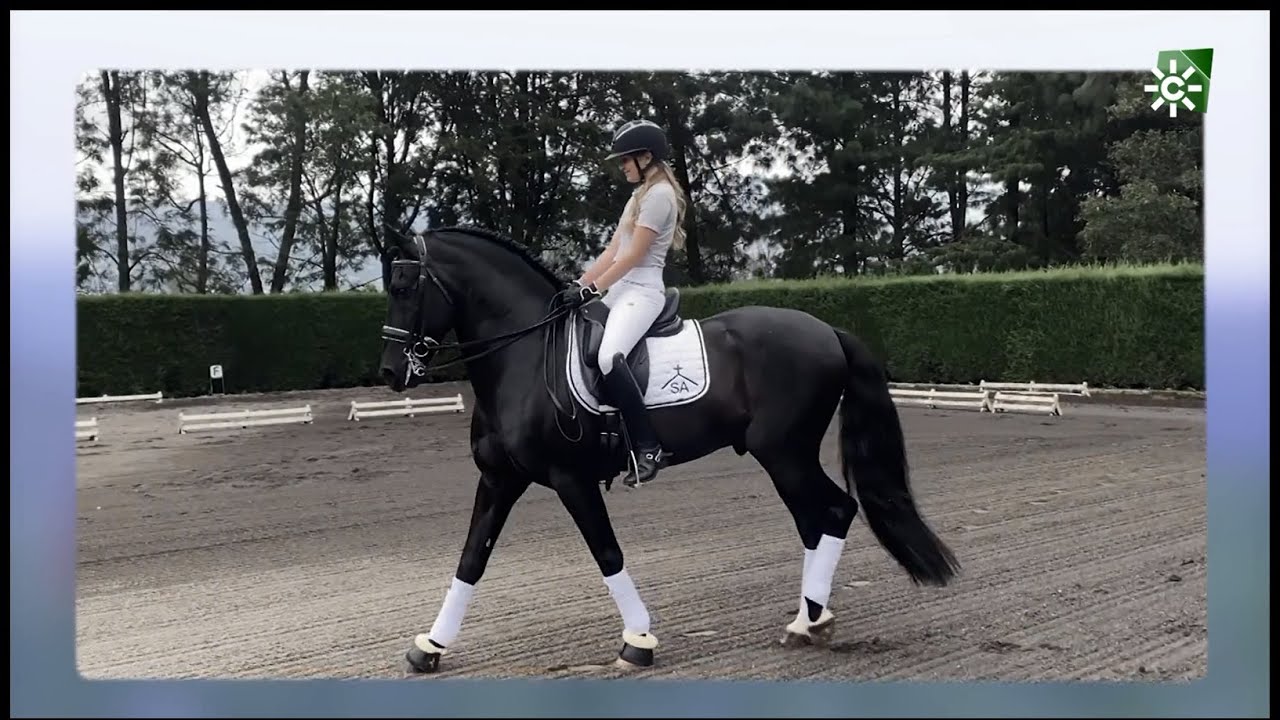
[(1121, 327)]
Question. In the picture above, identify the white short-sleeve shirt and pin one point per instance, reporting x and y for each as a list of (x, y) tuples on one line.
[(658, 212)]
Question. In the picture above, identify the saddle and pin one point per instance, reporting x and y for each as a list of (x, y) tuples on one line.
[(592, 318)]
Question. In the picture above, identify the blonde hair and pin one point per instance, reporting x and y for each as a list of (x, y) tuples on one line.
[(664, 173)]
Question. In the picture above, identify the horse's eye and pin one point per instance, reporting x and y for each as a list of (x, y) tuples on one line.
[(402, 280)]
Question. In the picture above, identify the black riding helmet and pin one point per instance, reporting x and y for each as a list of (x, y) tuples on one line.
[(638, 136)]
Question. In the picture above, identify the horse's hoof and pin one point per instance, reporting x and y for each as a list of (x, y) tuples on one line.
[(424, 656), (794, 639), (637, 651), (823, 631), (803, 633)]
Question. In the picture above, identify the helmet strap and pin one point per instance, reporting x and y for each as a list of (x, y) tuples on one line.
[(635, 160)]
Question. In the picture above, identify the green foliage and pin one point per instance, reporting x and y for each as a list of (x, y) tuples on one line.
[(1154, 213), (1109, 325), (788, 174), (860, 186), (275, 342), (1142, 224)]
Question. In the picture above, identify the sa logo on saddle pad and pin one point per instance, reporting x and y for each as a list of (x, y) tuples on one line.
[(669, 363)]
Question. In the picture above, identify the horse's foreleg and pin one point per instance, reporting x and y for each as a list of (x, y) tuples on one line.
[(583, 500), (494, 499)]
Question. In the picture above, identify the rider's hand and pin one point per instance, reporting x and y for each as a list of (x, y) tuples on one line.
[(577, 294)]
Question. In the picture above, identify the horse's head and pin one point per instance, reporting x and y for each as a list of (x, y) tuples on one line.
[(420, 310)]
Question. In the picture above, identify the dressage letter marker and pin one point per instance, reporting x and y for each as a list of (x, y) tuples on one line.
[(216, 384), (243, 419), (407, 407)]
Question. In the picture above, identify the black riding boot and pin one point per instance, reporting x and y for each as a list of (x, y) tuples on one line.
[(643, 441)]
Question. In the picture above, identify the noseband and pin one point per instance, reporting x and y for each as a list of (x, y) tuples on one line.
[(419, 346)]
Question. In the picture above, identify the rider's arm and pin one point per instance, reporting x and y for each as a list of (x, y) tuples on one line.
[(603, 262), (657, 210), (640, 241)]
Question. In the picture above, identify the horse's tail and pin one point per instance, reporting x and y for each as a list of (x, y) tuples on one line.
[(874, 461)]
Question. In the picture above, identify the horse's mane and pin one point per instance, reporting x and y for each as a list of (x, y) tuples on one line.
[(507, 244)]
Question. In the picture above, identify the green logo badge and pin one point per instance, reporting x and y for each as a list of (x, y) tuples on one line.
[(1182, 80)]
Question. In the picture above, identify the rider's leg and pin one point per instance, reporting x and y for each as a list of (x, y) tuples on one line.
[(632, 310), (632, 314)]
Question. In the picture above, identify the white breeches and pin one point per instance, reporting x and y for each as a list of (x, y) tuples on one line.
[(632, 310)]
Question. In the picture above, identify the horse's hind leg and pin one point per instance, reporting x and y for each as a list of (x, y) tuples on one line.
[(823, 513), (788, 423)]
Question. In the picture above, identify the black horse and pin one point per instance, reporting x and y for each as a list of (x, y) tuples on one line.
[(762, 380)]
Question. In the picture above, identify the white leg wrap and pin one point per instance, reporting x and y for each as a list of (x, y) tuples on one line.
[(817, 578), (449, 621), (804, 577), (635, 616)]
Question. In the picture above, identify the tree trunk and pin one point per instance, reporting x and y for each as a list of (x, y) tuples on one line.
[(329, 259), (692, 241), (850, 257), (949, 146), (1046, 183), (896, 132), (202, 270), (680, 165), (962, 179), (1011, 208), (521, 168), (200, 85), (293, 208), (202, 260), (115, 132), (1011, 200)]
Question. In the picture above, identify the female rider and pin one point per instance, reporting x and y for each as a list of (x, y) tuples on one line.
[(630, 270)]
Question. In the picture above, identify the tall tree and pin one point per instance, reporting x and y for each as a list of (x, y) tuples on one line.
[(339, 114), (185, 254), (825, 216), (398, 163), (1047, 132), (278, 121), (716, 121), (106, 128), (209, 91), (1153, 212), (949, 153)]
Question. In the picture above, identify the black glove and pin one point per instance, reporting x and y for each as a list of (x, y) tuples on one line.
[(577, 295)]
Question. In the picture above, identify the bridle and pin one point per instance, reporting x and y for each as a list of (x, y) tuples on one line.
[(419, 346)]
